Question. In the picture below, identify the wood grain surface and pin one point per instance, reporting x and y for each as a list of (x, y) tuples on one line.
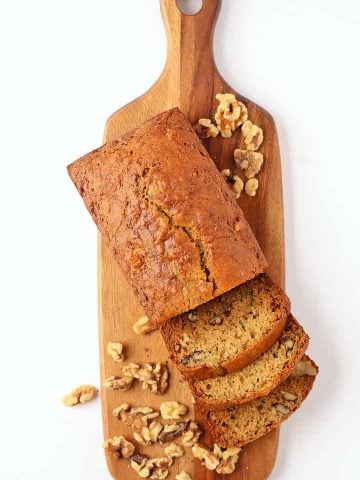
[(190, 81)]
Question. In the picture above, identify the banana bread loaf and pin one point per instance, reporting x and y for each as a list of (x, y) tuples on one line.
[(241, 424), (172, 224), (259, 377), (228, 332)]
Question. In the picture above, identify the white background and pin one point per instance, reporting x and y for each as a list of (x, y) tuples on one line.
[(65, 66)]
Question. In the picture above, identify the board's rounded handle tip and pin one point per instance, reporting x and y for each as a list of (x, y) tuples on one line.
[(208, 10)]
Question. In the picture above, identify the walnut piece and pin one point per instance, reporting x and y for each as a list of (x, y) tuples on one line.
[(289, 396), (183, 476), (174, 450), (153, 468), (206, 456), (223, 461), (304, 367), (154, 377), (235, 182), (188, 430), (149, 435), (228, 459), (141, 327), (124, 380), (230, 114), (119, 447), (249, 161), (251, 187), (81, 394), (115, 350), (136, 417), (172, 410), (205, 128), (192, 434), (282, 409), (116, 382), (253, 135)]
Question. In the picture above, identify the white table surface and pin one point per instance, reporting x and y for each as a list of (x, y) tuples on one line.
[(65, 66)]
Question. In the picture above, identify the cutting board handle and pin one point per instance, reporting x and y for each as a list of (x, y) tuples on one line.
[(190, 44)]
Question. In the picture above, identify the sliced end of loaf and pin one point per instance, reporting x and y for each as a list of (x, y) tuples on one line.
[(228, 332)]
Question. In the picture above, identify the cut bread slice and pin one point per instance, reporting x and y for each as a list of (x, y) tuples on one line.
[(241, 424), (259, 377), (229, 332)]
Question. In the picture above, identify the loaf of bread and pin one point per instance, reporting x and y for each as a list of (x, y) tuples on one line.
[(228, 332), (259, 377), (172, 224), (241, 424)]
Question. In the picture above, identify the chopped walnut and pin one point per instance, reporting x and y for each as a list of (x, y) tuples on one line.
[(230, 114), (183, 476), (205, 128), (81, 394), (249, 161), (223, 461), (154, 377), (174, 450), (304, 367), (173, 431), (136, 417), (188, 430), (154, 468), (115, 350), (228, 459), (123, 381), (192, 434), (149, 435), (206, 456), (172, 410), (118, 383), (119, 447), (251, 187), (253, 135), (192, 317), (282, 409), (235, 182), (289, 396), (141, 327)]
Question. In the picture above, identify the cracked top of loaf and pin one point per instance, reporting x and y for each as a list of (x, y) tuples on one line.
[(173, 226)]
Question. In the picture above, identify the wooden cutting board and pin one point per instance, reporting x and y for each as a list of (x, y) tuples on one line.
[(190, 80)]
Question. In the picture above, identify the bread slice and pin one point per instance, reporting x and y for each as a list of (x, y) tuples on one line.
[(228, 332), (259, 377), (241, 424)]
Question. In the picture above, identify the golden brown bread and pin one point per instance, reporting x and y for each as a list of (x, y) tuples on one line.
[(259, 377), (241, 424), (172, 224), (228, 332)]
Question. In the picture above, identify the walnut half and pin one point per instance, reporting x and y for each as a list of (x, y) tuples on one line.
[(172, 410), (115, 350), (253, 135), (119, 447), (81, 394), (154, 377), (250, 162), (230, 114)]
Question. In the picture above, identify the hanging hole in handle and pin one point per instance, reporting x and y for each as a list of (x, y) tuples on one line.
[(189, 7)]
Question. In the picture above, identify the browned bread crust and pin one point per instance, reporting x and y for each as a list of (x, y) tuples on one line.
[(259, 377), (241, 424), (173, 225), (253, 316)]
